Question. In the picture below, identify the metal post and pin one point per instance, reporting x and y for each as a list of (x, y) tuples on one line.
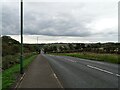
[(21, 58), (37, 46), (37, 40)]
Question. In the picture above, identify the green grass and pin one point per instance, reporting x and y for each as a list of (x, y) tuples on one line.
[(9, 76), (111, 58), (0, 81), (11, 60)]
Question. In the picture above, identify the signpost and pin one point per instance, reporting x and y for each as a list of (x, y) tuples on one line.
[(21, 57)]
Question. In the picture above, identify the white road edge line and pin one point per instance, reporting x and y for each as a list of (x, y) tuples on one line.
[(55, 75), (20, 81), (100, 69)]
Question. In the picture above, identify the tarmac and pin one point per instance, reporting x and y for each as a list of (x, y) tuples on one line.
[(39, 75)]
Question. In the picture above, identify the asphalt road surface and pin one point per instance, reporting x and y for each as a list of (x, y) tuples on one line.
[(39, 75), (80, 73)]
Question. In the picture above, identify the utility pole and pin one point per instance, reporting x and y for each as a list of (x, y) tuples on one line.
[(37, 40), (37, 46), (21, 57)]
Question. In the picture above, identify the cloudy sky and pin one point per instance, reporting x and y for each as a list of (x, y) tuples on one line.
[(62, 21)]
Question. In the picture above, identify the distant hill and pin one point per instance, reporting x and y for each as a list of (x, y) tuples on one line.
[(9, 40), (12, 47), (9, 46)]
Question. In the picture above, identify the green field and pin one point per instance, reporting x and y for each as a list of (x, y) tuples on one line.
[(112, 58), (9, 76)]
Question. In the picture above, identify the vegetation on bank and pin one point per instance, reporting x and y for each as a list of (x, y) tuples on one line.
[(11, 59), (12, 47), (111, 58), (9, 76), (11, 51)]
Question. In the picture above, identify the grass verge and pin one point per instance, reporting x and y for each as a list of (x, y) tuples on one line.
[(9, 75), (111, 58)]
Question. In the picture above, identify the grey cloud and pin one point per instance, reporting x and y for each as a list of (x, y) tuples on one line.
[(53, 19), (10, 20), (59, 22), (61, 25)]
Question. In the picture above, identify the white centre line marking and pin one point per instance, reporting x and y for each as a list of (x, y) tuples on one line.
[(70, 60), (100, 69), (103, 70), (118, 75)]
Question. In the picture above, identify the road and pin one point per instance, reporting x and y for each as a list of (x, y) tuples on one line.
[(80, 73), (38, 75)]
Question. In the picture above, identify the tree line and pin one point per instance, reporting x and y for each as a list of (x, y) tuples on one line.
[(109, 47), (11, 47)]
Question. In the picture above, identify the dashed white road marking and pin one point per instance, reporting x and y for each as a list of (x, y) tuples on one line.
[(118, 75), (102, 70), (70, 60)]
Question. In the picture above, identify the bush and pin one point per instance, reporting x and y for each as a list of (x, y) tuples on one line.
[(9, 60)]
